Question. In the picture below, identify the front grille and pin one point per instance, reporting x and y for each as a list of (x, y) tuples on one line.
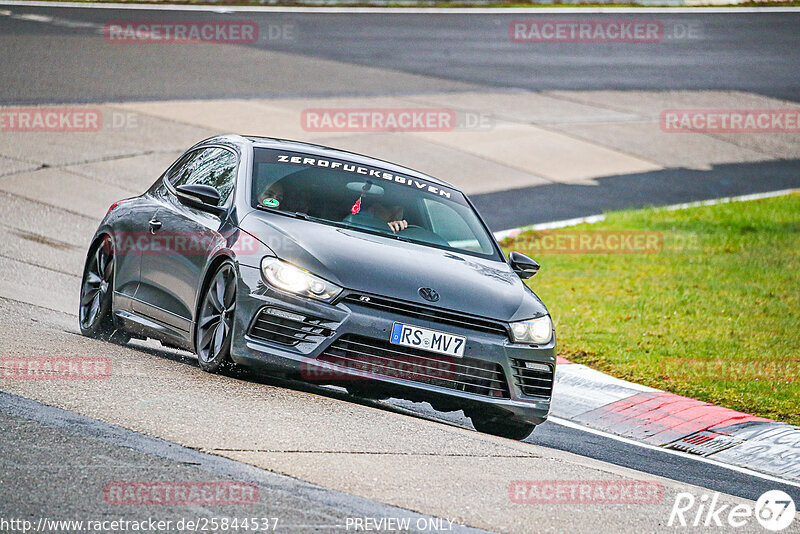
[(379, 357), (288, 328), (437, 315), (535, 382)]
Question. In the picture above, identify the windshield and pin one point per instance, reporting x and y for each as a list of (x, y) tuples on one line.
[(370, 199)]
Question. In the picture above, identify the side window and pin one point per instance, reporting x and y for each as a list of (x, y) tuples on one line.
[(209, 166)]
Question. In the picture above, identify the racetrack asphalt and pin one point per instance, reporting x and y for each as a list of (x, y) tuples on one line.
[(395, 453), (433, 464), (57, 55), (310, 434), (753, 52)]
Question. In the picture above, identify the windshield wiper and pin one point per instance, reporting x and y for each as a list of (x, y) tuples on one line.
[(374, 231), (296, 214), (306, 217)]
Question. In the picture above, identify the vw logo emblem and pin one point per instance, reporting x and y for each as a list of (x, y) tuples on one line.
[(428, 294)]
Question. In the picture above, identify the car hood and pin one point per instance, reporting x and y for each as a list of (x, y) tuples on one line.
[(370, 263)]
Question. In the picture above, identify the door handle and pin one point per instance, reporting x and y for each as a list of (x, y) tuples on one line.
[(155, 225)]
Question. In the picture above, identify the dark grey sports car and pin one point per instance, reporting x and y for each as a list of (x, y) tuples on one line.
[(337, 268)]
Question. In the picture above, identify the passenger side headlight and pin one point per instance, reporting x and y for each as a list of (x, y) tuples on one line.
[(289, 278), (538, 331)]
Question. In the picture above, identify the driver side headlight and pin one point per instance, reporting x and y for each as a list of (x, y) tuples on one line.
[(289, 278), (538, 331)]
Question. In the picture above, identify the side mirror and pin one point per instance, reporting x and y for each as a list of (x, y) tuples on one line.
[(200, 196), (523, 265)]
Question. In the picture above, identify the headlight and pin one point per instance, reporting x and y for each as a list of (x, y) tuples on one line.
[(295, 280), (538, 331)]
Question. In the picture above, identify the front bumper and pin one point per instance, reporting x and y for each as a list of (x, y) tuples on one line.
[(488, 353)]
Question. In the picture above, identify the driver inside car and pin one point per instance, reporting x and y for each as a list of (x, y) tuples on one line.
[(391, 215)]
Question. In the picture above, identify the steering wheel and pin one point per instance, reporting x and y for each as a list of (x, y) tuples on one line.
[(418, 232), (412, 227)]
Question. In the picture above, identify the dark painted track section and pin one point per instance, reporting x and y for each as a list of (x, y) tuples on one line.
[(544, 203), (756, 52)]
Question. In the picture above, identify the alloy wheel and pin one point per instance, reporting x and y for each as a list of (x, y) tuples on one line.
[(216, 314), (97, 283)]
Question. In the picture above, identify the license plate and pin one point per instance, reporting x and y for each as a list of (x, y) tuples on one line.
[(426, 339)]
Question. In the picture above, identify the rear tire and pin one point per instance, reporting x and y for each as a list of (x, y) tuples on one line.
[(214, 331), (502, 427), (97, 287)]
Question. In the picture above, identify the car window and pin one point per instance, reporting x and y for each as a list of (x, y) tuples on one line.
[(446, 222), (371, 199), (208, 166)]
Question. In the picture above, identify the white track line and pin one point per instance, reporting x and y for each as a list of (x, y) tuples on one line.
[(591, 219), (407, 10), (576, 426), (725, 200)]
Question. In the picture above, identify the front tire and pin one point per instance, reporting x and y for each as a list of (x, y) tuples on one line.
[(214, 330), (97, 286), (502, 427)]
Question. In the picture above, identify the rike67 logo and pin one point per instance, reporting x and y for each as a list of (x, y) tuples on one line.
[(775, 510)]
